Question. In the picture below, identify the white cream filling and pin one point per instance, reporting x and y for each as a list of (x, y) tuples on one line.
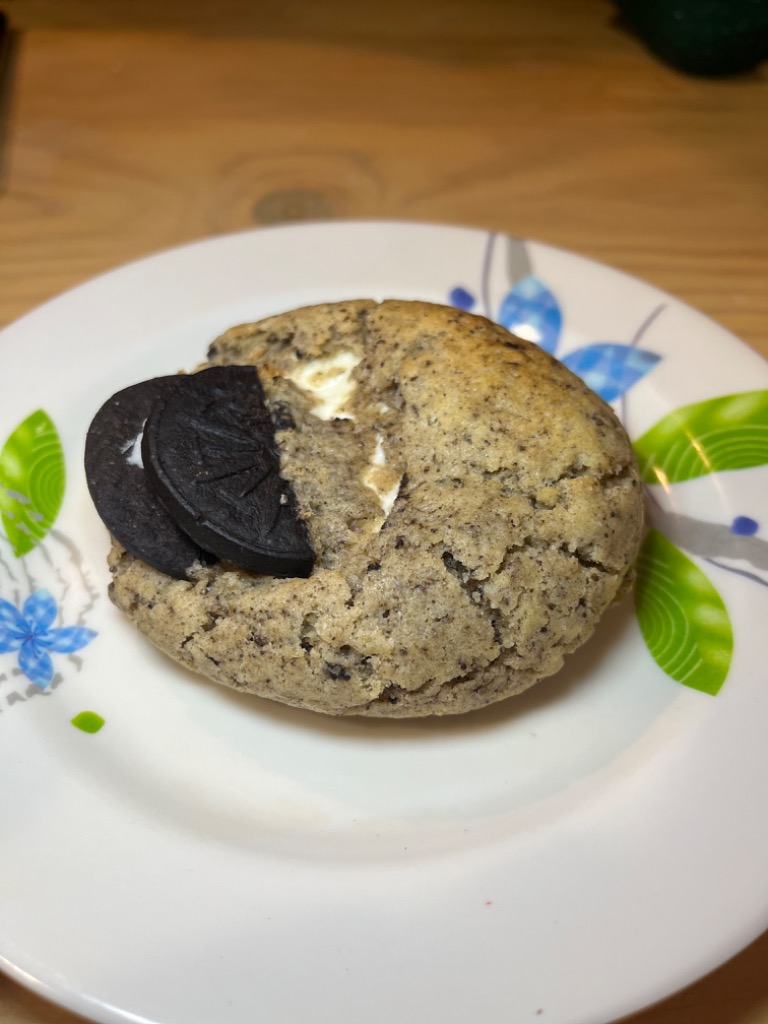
[(330, 381), (132, 450)]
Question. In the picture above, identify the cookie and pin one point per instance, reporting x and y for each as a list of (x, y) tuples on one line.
[(472, 506)]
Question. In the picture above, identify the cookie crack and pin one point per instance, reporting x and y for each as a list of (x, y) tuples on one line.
[(509, 477), (585, 561), (473, 588), (610, 478), (393, 693)]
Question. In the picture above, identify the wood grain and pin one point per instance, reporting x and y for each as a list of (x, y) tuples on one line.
[(130, 127), (128, 132)]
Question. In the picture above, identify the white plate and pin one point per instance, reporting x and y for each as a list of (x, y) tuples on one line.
[(568, 856)]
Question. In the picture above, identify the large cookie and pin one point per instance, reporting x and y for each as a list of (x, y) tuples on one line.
[(473, 507)]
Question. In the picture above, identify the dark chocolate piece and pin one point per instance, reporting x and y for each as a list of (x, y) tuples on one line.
[(210, 453), (119, 486)]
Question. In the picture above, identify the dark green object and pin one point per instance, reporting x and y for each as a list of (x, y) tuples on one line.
[(702, 37)]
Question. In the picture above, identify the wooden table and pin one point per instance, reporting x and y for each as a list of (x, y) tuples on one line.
[(128, 127)]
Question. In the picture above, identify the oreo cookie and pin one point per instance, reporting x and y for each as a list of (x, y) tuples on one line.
[(119, 486), (184, 470), (210, 454)]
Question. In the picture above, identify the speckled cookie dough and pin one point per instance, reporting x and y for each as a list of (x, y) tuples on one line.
[(474, 509)]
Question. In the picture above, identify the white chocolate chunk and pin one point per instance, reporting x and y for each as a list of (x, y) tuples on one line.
[(381, 480), (330, 381)]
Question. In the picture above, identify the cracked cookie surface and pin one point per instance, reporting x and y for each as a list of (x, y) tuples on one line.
[(474, 509)]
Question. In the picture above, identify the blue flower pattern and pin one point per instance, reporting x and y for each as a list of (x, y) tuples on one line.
[(31, 633), (610, 369), (531, 311)]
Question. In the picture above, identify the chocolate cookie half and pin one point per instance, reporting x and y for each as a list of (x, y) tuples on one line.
[(473, 509)]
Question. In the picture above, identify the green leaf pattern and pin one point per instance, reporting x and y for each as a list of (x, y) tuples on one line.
[(725, 433), (32, 478), (682, 617)]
